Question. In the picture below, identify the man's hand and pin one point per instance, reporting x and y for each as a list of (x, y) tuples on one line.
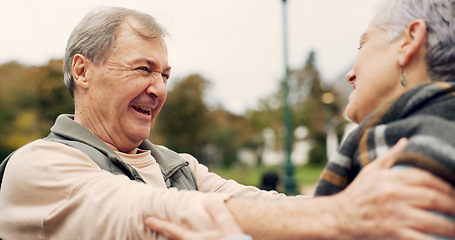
[(225, 225), (388, 204)]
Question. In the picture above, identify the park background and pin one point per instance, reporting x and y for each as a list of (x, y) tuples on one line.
[(225, 101)]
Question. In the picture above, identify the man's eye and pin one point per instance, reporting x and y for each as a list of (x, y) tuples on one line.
[(143, 70)]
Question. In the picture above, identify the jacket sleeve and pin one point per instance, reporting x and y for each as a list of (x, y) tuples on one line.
[(52, 191), (211, 182)]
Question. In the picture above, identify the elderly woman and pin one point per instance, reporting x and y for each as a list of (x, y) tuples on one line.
[(403, 86)]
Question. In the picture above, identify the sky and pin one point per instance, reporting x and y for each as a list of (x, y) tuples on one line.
[(235, 44)]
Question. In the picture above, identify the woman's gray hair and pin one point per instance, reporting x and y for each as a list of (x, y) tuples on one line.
[(439, 15), (94, 36)]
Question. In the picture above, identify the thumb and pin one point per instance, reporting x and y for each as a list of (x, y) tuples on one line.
[(388, 160)]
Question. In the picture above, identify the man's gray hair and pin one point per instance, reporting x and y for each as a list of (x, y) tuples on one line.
[(439, 15), (94, 36)]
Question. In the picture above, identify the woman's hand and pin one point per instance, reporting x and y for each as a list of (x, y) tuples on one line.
[(396, 204)]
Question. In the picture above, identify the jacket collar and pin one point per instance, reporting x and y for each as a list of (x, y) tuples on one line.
[(168, 160)]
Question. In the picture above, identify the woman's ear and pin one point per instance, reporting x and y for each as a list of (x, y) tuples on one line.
[(80, 66), (413, 41)]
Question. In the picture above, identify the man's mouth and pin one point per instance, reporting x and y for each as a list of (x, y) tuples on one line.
[(144, 110)]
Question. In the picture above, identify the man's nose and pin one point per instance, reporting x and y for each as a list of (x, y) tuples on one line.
[(157, 87)]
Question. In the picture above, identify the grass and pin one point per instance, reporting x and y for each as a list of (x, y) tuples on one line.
[(304, 175)]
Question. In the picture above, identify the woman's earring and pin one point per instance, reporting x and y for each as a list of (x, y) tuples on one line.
[(403, 80)]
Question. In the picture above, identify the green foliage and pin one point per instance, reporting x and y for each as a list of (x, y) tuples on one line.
[(318, 155), (230, 133), (186, 124), (53, 98), (307, 106), (304, 175), (184, 121), (31, 97)]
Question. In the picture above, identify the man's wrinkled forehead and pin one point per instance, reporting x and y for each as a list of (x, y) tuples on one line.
[(134, 27), (141, 28)]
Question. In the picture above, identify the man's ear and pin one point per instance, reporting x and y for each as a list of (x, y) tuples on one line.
[(80, 66), (413, 41)]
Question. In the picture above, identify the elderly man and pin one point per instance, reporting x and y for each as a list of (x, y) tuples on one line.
[(97, 177)]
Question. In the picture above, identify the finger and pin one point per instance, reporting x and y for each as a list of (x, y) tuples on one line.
[(442, 225), (419, 189), (424, 179), (168, 229), (432, 223), (417, 207), (415, 235), (388, 159), (429, 199)]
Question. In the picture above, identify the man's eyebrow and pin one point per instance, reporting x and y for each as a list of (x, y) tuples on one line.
[(152, 63)]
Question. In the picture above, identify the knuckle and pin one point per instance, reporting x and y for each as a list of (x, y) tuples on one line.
[(434, 198)]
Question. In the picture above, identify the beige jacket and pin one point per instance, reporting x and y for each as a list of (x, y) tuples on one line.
[(53, 191)]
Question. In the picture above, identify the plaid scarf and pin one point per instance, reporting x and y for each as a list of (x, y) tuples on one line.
[(425, 115)]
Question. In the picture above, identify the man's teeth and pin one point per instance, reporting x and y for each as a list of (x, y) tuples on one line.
[(143, 110)]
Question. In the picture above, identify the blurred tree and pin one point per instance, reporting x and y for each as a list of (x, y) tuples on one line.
[(230, 133), (31, 97), (268, 115), (53, 98), (188, 124), (184, 122), (24, 126), (308, 108), (316, 106), (15, 95)]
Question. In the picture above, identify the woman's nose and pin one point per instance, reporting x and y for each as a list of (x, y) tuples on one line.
[(350, 76)]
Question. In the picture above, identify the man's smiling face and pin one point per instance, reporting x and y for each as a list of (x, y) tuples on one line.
[(127, 92)]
